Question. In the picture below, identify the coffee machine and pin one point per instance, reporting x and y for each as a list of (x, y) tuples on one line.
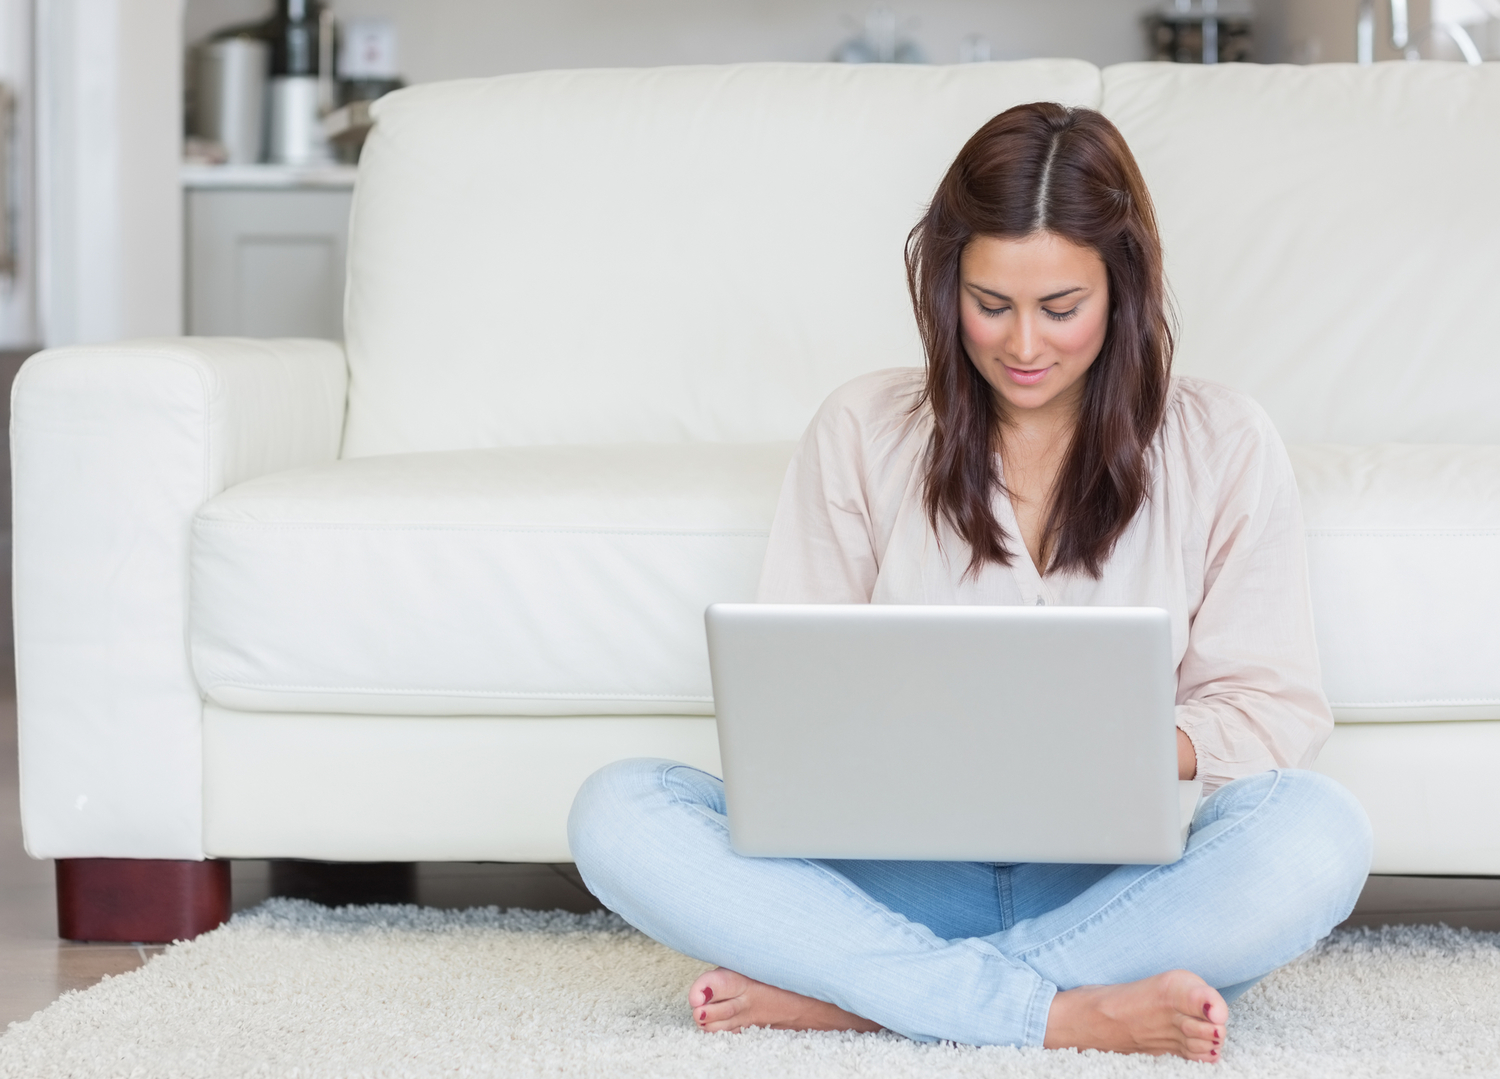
[(268, 91), (300, 91)]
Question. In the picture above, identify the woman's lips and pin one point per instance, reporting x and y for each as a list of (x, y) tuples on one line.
[(1026, 378)]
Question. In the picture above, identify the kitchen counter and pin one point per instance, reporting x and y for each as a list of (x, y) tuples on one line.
[(263, 177), (265, 248)]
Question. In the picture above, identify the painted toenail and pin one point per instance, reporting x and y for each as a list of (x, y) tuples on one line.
[(702, 1016), (1213, 1052), (708, 993), (1205, 1011)]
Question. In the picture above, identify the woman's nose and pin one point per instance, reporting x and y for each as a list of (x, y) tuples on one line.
[(1026, 342)]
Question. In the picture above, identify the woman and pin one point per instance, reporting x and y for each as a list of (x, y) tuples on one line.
[(1045, 456)]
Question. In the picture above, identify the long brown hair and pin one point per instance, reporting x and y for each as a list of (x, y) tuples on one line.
[(1045, 168)]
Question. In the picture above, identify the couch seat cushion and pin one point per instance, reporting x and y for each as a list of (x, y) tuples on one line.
[(1403, 545), (537, 581)]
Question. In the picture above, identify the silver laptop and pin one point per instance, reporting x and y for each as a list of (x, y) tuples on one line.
[(990, 734)]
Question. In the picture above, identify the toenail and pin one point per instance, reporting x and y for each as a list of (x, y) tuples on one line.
[(1213, 1052), (1205, 1011), (708, 993), (702, 1016)]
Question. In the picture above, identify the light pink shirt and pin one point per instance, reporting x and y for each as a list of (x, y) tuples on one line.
[(1218, 544)]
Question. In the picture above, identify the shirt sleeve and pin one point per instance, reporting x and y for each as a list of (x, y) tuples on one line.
[(1250, 694), (822, 546)]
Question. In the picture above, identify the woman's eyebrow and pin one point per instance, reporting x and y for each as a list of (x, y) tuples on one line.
[(1044, 299)]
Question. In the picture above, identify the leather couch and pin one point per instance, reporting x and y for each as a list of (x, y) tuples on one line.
[(393, 599)]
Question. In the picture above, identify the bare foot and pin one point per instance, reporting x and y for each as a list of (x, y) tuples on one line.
[(1177, 1013), (724, 1000)]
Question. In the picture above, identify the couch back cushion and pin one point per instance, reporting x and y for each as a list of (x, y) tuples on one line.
[(1332, 237), (666, 255)]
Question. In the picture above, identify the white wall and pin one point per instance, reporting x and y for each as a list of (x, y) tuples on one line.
[(109, 89), (443, 39)]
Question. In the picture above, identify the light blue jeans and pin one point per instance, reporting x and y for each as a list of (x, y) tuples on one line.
[(968, 951)]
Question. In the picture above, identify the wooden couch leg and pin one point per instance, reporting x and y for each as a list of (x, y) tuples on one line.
[(144, 900)]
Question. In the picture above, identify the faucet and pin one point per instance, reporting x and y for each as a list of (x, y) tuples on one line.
[(1364, 31), (1400, 24)]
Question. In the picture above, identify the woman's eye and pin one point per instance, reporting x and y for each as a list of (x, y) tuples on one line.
[(1061, 316), (992, 312)]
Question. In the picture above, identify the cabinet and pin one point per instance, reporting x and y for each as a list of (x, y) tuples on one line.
[(265, 250)]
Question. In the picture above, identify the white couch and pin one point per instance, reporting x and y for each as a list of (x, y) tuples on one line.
[(394, 600)]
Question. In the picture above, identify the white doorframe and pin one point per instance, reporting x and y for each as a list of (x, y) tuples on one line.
[(109, 150)]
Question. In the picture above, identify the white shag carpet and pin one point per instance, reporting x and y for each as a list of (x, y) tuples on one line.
[(293, 989)]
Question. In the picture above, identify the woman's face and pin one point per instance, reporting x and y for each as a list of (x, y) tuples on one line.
[(1033, 315)]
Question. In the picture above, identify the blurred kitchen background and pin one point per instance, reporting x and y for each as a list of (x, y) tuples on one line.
[(176, 166)]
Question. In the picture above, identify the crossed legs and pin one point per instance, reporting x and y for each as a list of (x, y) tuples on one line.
[(977, 953)]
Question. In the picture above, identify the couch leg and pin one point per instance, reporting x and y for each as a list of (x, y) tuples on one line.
[(143, 900)]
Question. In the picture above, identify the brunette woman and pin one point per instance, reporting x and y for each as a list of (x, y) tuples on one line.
[(1045, 455)]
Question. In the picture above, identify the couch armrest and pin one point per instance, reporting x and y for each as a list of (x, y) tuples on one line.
[(114, 448)]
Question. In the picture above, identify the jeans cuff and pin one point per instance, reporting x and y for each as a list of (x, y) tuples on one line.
[(1036, 1013)]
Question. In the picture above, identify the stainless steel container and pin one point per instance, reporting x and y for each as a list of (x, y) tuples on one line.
[(231, 96)]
